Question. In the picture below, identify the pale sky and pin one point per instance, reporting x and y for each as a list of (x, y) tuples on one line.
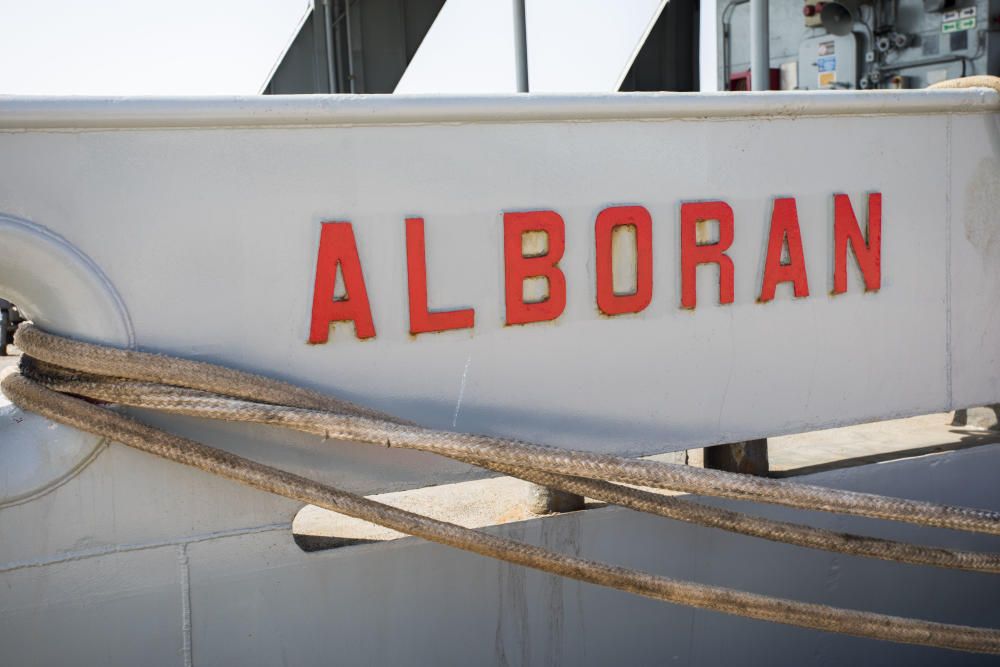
[(573, 46), (137, 47), (231, 47)]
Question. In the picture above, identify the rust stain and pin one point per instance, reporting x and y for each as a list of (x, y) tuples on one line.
[(705, 233), (534, 243)]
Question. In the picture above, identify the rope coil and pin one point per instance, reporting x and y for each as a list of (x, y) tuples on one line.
[(56, 369)]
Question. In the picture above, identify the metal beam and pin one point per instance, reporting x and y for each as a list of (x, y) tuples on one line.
[(331, 71), (520, 46), (760, 60), (350, 47)]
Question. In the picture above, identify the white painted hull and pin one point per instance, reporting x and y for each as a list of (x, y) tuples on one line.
[(191, 226)]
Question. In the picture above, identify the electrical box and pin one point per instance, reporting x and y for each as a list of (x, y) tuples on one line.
[(896, 43), (828, 62)]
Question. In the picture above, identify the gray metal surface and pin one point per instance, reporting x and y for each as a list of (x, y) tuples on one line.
[(760, 45)]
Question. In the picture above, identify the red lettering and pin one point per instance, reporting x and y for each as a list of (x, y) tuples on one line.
[(608, 220), (693, 253), (784, 229), (846, 230), (338, 249), (421, 319), (518, 267)]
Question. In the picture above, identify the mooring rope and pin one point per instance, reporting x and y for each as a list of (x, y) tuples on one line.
[(978, 81), (152, 381), (193, 402), (57, 368)]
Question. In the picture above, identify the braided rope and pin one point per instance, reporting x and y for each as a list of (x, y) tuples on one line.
[(197, 403), (244, 394), (101, 421), (979, 81), (136, 378)]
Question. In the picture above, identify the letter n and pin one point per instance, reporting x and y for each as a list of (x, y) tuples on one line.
[(846, 231)]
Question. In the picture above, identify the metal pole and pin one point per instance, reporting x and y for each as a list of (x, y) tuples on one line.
[(760, 61), (338, 48), (520, 46), (327, 31), (350, 49)]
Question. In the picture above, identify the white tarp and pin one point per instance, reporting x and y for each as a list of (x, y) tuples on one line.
[(573, 46), (123, 47)]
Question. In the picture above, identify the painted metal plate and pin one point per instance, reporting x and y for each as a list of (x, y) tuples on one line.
[(206, 217)]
